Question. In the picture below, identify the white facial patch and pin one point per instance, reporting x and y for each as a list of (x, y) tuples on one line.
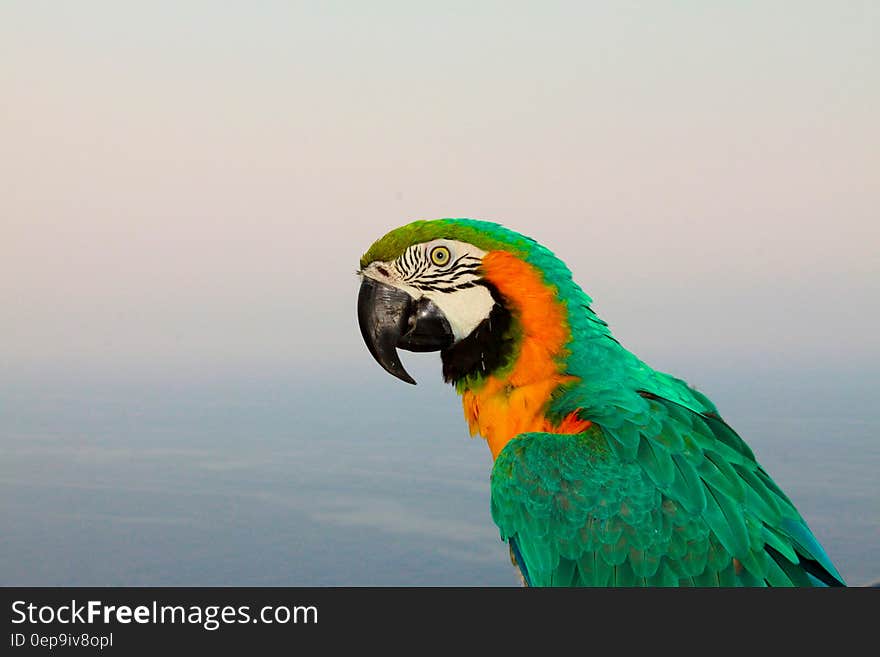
[(464, 309), (446, 272)]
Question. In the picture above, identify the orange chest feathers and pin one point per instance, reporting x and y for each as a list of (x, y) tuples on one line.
[(516, 401)]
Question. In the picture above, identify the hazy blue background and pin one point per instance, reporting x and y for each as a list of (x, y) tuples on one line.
[(185, 189)]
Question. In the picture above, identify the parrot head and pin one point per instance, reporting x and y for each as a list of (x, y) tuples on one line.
[(453, 286)]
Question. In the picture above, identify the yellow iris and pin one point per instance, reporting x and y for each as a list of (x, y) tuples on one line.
[(440, 255)]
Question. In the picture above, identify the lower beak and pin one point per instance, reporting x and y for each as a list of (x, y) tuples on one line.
[(390, 319)]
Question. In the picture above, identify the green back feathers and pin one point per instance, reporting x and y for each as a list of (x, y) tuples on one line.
[(679, 503)]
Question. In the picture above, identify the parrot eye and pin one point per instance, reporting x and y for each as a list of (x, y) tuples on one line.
[(440, 255)]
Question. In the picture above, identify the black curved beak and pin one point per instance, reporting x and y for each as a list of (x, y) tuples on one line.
[(390, 319)]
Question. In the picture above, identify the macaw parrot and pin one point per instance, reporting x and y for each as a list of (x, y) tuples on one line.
[(605, 471)]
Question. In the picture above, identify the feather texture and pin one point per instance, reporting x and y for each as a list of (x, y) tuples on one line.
[(608, 472), (588, 518)]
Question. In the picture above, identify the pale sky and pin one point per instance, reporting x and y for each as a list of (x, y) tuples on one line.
[(187, 187)]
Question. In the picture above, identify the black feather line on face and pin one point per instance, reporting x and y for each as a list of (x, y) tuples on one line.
[(487, 348), (445, 289), (449, 275)]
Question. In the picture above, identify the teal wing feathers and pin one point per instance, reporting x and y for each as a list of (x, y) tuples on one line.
[(677, 501)]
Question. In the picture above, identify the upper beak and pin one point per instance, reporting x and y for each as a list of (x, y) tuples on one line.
[(390, 318)]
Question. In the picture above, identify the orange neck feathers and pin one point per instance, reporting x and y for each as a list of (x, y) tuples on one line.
[(515, 400)]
